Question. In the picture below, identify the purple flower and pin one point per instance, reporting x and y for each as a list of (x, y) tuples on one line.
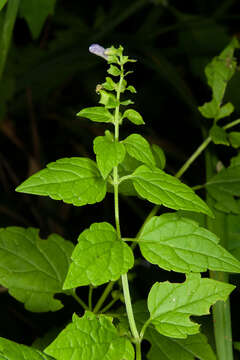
[(98, 50)]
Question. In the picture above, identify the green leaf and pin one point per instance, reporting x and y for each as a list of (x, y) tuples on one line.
[(233, 234), (209, 110), (109, 84), (139, 148), (91, 337), (221, 69), (234, 138), (191, 348), (236, 345), (114, 70), (224, 186), (180, 244), (160, 188), (108, 99), (3, 3), (225, 111), (35, 13), (133, 116), (159, 156), (9, 350), (131, 89), (33, 269), (127, 102), (74, 180), (97, 113), (171, 305), (109, 153), (218, 135), (99, 256)]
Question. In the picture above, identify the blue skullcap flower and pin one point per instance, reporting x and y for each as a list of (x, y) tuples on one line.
[(98, 50)]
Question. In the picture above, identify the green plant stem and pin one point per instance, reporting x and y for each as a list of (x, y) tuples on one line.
[(6, 36), (103, 297), (109, 305), (125, 285), (90, 297), (231, 124), (80, 301)]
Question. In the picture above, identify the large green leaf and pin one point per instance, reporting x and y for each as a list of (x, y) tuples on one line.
[(180, 244), (74, 180), (97, 113), (224, 186), (35, 13), (171, 305), (10, 350), (139, 148), (165, 348), (98, 257), (160, 188), (109, 153), (33, 269), (91, 337)]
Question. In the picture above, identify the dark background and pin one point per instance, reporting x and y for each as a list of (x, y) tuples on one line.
[(49, 79)]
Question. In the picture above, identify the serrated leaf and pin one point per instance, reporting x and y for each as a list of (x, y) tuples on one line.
[(9, 350), (33, 269), (97, 114), (91, 337), (165, 348), (139, 148), (160, 188), (159, 156), (180, 244), (221, 69), (224, 186), (109, 153), (133, 116), (74, 180), (35, 13), (114, 70), (108, 99), (171, 305), (218, 135), (234, 138), (99, 256)]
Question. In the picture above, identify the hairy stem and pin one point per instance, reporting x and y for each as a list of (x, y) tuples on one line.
[(125, 284), (6, 36)]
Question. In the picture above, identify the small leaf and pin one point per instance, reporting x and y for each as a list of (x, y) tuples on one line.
[(131, 89), (109, 84), (159, 156), (171, 305), (91, 337), (99, 256), (74, 180), (114, 70), (209, 110), (33, 269), (218, 135), (225, 111), (160, 188), (127, 102), (109, 153), (191, 348), (108, 99), (9, 350), (35, 13), (97, 113), (234, 138), (3, 3), (133, 116), (139, 148), (180, 244)]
